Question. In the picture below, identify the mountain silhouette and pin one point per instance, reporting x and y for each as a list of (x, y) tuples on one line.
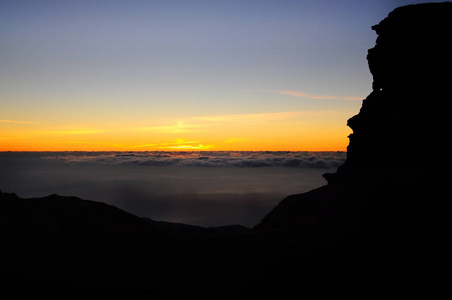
[(380, 226)]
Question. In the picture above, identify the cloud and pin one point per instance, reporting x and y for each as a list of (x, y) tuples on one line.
[(249, 117), (209, 123), (186, 147), (301, 94), (223, 190), (18, 122), (180, 127), (180, 144), (200, 124), (234, 140), (293, 93), (145, 146), (234, 159), (73, 131)]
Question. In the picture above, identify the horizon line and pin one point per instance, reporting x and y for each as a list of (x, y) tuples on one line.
[(184, 150)]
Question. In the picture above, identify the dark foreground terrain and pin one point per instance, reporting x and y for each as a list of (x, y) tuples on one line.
[(380, 228)]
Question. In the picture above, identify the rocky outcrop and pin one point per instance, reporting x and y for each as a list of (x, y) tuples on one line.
[(394, 169), (403, 123), (386, 211)]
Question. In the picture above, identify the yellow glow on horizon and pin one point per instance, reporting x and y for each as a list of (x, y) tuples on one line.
[(179, 127), (17, 122), (280, 131), (186, 147)]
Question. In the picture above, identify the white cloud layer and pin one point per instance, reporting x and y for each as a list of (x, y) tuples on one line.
[(243, 159)]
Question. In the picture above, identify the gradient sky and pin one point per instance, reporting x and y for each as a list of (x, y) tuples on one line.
[(181, 75)]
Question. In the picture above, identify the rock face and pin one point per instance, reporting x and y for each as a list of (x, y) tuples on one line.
[(394, 172), (387, 210), (403, 123)]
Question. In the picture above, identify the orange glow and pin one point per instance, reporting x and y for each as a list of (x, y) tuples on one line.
[(281, 131)]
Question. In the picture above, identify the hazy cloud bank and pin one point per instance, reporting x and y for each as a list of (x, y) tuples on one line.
[(206, 188), (243, 159)]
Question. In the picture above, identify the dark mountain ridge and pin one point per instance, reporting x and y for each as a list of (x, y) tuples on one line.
[(380, 226)]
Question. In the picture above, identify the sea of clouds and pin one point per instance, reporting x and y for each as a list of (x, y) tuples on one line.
[(243, 159), (200, 188)]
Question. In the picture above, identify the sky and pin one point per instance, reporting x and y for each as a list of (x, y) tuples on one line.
[(141, 75)]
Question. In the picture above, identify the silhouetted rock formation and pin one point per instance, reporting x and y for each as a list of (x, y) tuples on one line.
[(401, 128), (403, 123), (387, 207), (381, 225)]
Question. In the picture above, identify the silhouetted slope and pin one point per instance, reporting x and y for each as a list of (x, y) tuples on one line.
[(59, 216), (67, 246)]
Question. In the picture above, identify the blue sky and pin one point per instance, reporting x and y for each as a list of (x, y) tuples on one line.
[(94, 63)]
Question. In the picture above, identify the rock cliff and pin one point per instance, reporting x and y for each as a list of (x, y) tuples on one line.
[(394, 158), (403, 124)]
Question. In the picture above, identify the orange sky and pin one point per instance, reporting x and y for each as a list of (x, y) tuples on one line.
[(184, 75), (291, 131)]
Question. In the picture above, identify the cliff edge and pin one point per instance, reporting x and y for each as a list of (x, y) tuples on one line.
[(394, 182)]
